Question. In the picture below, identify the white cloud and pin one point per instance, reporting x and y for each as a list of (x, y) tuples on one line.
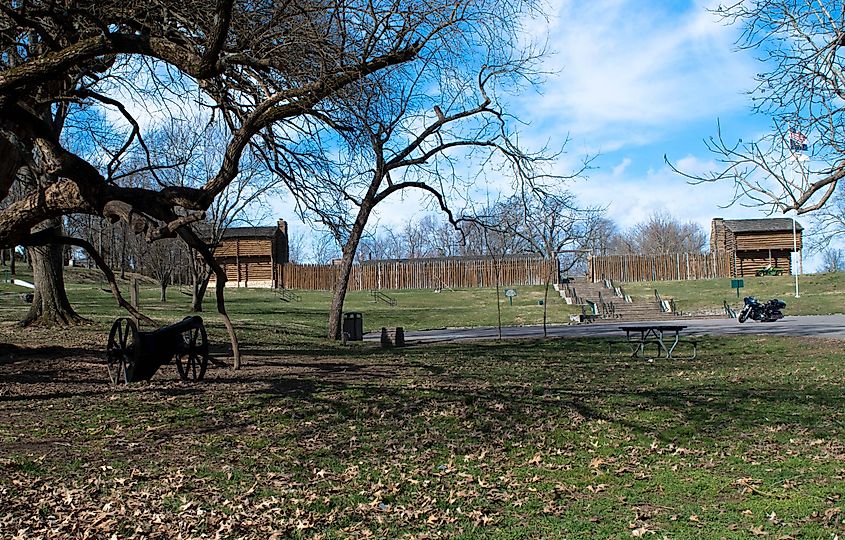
[(619, 169), (632, 200), (628, 69)]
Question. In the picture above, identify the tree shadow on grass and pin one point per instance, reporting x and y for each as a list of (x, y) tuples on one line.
[(522, 388), (645, 398)]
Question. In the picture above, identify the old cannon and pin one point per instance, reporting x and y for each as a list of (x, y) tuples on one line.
[(136, 356)]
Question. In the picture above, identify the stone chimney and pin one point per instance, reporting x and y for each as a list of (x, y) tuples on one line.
[(282, 247), (717, 235)]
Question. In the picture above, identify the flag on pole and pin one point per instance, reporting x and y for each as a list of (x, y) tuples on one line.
[(797, 141)]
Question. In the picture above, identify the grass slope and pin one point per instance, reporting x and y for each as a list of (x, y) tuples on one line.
[(820, 293), (262, 317)]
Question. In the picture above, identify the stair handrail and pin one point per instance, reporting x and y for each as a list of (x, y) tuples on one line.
[(608, 308), (666, 306), (572, 293), (622, 294), (289, 296), (378, 295)]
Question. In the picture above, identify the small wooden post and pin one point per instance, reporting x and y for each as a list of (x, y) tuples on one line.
[(133, 297), (385, 338)]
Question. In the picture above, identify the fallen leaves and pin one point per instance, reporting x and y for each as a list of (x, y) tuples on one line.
[(386, 448)]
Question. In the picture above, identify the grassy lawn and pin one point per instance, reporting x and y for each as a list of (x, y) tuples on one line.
[(263, 318), (514, 440), (820, 293), (555, 439)]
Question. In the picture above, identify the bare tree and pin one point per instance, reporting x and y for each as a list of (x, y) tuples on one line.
[(324, 248), (410, 131), (163, 258), (798, 165), (296, 246), (662, 234), (604, 238), (195, 148), (274, 72), (547, 223), (833, 260)]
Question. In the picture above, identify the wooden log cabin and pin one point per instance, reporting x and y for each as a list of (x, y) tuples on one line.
[(754, 244), (253, 256)]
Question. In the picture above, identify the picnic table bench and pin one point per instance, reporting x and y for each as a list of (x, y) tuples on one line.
[(664, 337)]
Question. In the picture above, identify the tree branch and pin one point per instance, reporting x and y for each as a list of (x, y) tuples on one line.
[(49, 236)]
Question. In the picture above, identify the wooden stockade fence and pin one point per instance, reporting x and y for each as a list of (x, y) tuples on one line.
[(677, 266), (422, 274)]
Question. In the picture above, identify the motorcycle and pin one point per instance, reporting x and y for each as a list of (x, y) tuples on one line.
[(768, 312)]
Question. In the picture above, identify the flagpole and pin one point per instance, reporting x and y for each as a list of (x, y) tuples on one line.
[(795, 253), (797, 144)]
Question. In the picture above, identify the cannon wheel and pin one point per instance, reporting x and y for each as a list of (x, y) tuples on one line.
[(123, 350), (193, 361)]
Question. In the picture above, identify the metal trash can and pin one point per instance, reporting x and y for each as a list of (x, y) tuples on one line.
[(353, 325)]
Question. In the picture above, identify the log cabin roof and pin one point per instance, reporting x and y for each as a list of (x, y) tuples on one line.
[(250, 232), (761, 225)]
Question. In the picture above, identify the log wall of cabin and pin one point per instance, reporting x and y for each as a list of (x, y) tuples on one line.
[(766, 240), (248, 262), (718, 236), (749, 262), (753, 251)]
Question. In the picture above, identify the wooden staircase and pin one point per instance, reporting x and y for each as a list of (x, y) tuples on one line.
[(607, 301)]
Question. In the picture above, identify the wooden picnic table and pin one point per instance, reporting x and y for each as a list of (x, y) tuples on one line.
[(664, 336)]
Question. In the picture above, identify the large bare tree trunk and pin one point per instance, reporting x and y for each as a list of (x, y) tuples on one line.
[(339, 296), (346, 262), (50, 305)]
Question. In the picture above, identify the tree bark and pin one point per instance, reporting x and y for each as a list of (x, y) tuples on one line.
[(123, 253), (163, 289), (341, 286), (200, 285), (546, 301), (220, 275), (50, 304)]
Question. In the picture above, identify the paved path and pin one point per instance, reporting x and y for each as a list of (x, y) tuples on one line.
[(825, 326)]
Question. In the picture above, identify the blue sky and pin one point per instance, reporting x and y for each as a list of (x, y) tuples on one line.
[(638, 80), (634, 80)]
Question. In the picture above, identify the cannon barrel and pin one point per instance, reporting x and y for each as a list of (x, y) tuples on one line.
[(136, 356)]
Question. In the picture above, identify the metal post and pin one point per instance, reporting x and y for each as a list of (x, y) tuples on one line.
[(795, 252)]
